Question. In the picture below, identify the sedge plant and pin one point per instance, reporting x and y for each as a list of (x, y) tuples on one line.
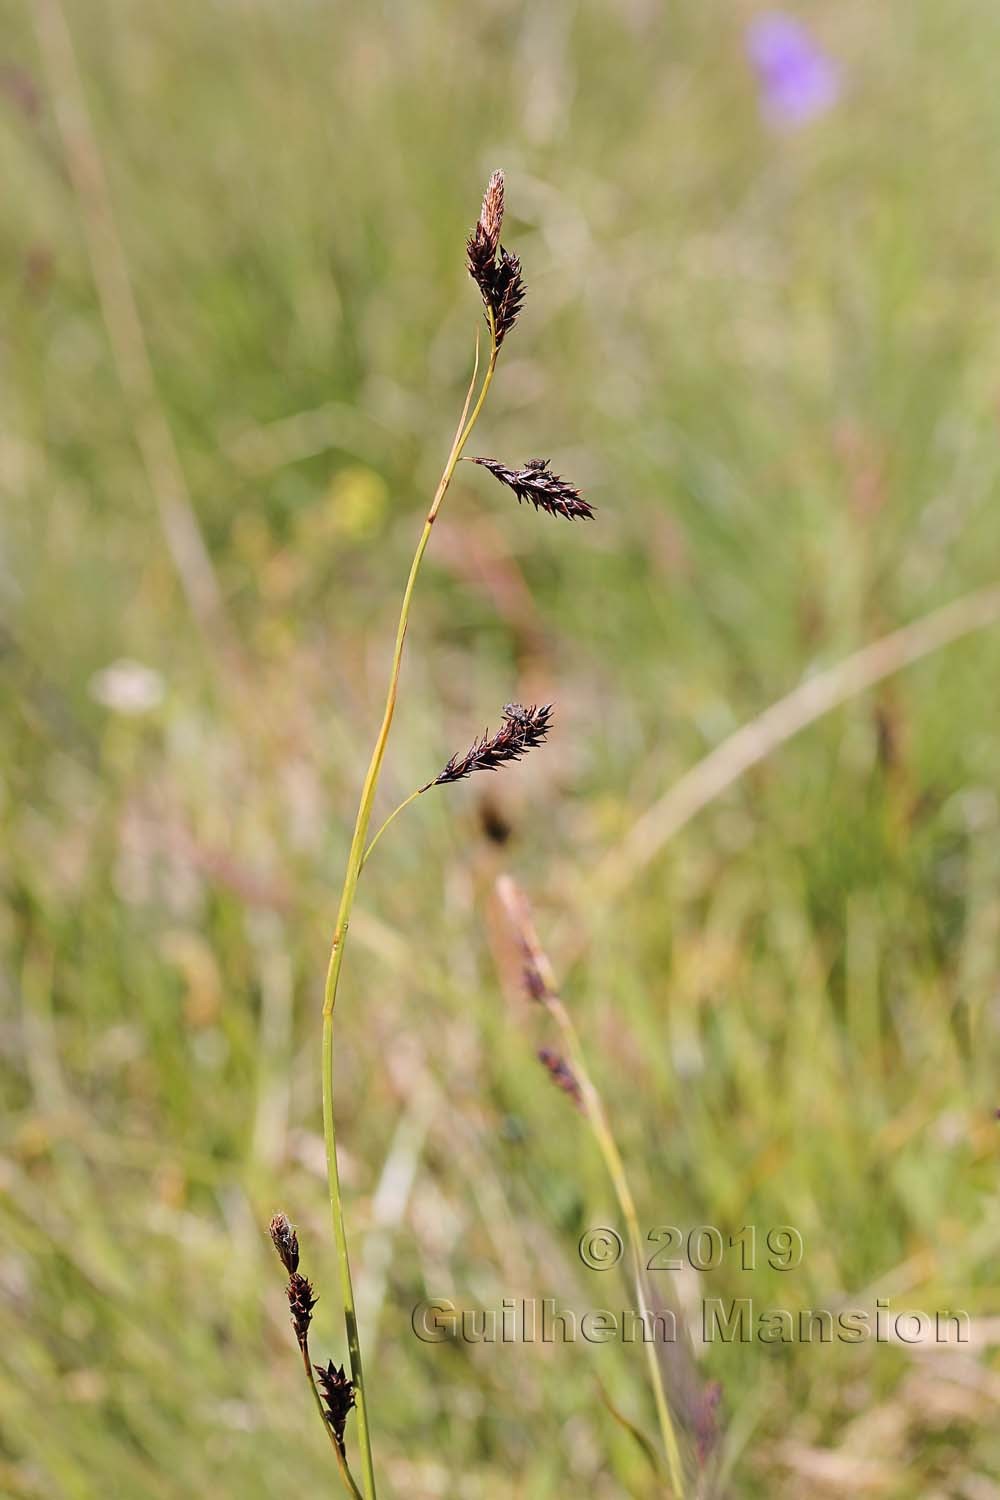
[(498, 275)]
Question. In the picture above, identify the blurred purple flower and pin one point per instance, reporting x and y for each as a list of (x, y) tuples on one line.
[(797, 80)]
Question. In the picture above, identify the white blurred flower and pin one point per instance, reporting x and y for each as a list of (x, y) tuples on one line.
[(128, 687)]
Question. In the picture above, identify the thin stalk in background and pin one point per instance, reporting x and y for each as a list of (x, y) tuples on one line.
[(769, 730), (112, 278), (542, 986)]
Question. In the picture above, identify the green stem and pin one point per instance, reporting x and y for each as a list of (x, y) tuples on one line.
[(594, 1106), (600, 1126), (355, 859), (391, 818)]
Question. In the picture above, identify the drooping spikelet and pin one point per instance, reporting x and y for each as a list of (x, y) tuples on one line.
[(522, 729), (337, 1390), (500, 282), (538, 484)]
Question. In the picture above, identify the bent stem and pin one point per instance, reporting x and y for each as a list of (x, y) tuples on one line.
[(391, 819), (355, 860)]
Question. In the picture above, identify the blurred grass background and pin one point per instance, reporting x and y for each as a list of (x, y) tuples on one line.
[(772, 360)]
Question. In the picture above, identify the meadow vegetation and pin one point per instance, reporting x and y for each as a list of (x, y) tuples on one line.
[(770, 358)]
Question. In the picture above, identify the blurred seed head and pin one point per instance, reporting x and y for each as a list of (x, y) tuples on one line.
[(561, 1073), (536, 969), (706, 1419), (534, 984)]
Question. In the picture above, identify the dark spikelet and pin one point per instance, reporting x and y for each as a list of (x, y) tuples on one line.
[(561, 1074), (500, 281), (482, 263), (286, 1242), (522, 729), (508, 294), (301, 1302), (337, 1390), (537, 484)]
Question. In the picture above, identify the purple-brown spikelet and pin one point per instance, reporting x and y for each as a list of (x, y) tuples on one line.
[(561, 1073), (522, 729), (301, 1303), (500, 282), (508, 293), (337, 1390), (299, 1290), (482, 262), (286, 1242), (545, 490)]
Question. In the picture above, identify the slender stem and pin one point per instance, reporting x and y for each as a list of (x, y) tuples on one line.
[(342, 1464), (344, 1264), (391, 818), (601, 1128), (597, 1118), (355, 859)]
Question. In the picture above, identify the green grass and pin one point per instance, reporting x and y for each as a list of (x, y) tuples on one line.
[(773, 363)]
